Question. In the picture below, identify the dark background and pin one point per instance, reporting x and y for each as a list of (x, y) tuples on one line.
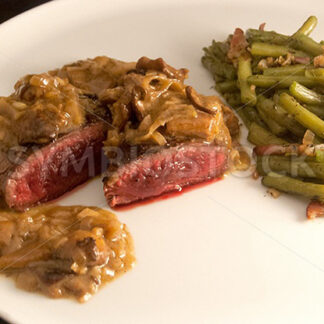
[(9, 9)]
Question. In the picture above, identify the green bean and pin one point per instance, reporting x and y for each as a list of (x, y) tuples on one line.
[(294, 151), (245, 118), (255, 64), (302, 115), (217, 79), (244, 70), (277, 94), (249, 115), (256, 35), (317, 110), (294, 186), (218, 67), (273, 163), (281, 116), (274, 127), (318, 72), (218, 49), (226, 86), (316, 75), (272, 50), (275, 149), (295, 167), (267, 81), (319, 156), (266, 49), (307, 27), (306, 95), (300, 41), (260, 136), (252, 115), (233, 98), (306, 44), (298, 69)]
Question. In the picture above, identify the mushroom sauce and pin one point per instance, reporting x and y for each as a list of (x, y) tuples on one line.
[(64, 251)]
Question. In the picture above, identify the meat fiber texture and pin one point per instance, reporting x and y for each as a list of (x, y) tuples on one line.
[(56, 168), (167, 170)]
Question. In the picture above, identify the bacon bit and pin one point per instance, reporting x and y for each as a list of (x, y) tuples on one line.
[(315, 209), (238, 44), (289, 149), (274, 149), (261, 27), (301, 60), (274, 193), (319, 61)]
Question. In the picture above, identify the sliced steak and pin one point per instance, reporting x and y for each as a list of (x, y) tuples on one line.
[(169, 169), (55, 168)]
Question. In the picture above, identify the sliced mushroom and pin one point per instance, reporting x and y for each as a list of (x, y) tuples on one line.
[(145, 64), (84, 248), (111, 95), (137, 101), (206, 104)]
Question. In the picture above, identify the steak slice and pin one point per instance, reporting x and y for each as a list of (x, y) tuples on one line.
[(169, 169), (56, 168)]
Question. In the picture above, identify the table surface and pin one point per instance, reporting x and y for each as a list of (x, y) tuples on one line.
[(9, 9)]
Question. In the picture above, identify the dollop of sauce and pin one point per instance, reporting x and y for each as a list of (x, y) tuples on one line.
[(64, 251)]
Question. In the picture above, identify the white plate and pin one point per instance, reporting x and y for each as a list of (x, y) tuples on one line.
[(224, 253)]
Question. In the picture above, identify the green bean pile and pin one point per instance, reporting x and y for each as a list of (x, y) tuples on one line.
[(275, 83)]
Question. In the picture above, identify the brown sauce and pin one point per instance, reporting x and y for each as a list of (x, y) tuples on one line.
[(47, 105), (41, 108), (64, 251), (150, 107)]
